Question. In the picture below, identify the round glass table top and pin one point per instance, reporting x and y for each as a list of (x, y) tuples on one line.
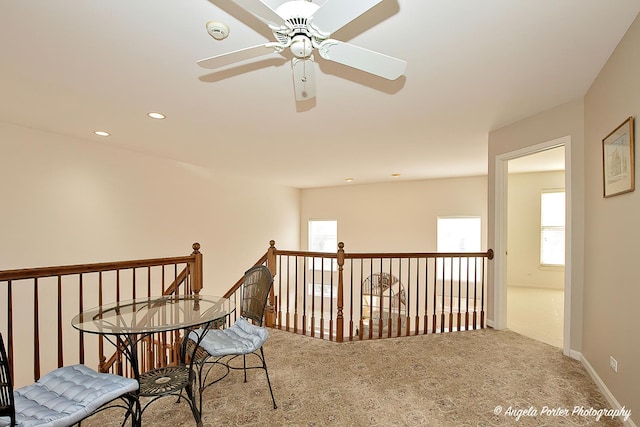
[(153, 314)]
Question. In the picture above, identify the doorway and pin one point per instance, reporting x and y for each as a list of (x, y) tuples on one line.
[(535, 240), (500, 298)]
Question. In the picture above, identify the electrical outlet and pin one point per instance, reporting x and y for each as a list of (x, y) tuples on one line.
[(613, 364)]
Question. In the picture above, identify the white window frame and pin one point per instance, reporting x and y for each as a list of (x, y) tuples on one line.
[(555, 224)]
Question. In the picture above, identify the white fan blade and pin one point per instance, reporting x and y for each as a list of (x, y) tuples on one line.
[(263, 12), (304, 82), (363, 59), (335, 14), (229, 58)]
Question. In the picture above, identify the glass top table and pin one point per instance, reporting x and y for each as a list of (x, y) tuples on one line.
[(152, 315), (127, 323)]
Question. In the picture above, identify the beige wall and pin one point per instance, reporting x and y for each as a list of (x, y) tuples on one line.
[(605, 236), (394, 217), (524, 230), (612, 238), (68, 201)]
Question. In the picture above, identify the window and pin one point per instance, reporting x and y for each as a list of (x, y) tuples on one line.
[(552, 212), (323, 237), (457, 234)]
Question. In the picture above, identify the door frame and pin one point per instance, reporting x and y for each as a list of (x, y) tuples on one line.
[(500, 233)]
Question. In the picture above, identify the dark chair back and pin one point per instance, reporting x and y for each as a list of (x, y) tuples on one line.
[(255, 293), (7, 407)]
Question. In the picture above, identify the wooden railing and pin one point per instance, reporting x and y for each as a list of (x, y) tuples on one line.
[(38, 304), (338, 296)]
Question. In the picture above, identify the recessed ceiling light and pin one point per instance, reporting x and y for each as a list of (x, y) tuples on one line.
[(102, 133), (156, 115), (395, 175), (348, 179)]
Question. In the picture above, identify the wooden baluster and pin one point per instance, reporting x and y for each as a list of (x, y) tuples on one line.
[(482, 296), (101, 356), (163, 288), (399, 297), (287, 313), (331, 302), (322, 297), (350, 297), (407, 320), (459, 294), (313, 296), (426, 296), (475, 294), (389, 316), (466, 313), (36, 332), (304, 295), (10, 326), (118, 285), (295, 298), (279, 311), (434, 327), (450, 297), (361, 324), (80, 310), (148, 281), (59, 320), (133, 281)]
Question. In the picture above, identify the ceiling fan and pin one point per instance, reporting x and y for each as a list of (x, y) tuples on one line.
[(303, 27)]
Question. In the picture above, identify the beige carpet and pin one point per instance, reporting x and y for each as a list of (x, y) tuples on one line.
[(454, 379)]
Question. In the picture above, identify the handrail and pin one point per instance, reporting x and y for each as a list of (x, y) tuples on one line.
[(67, 270), (354, 255), (78, 285)]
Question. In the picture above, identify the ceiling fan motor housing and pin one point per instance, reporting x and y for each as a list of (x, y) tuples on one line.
[(300, 37)]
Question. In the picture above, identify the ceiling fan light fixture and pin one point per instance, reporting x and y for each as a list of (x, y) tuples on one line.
[(301, 46), (218, 30)]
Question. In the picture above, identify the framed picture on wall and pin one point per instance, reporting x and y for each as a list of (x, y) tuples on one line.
[(618, 160)]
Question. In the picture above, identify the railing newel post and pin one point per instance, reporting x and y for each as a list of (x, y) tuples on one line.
[(340, 315), (196, 269)]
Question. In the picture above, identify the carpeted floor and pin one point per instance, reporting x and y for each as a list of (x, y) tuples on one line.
[(475, 378)]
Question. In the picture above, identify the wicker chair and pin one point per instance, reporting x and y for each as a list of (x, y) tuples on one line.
[(222, 347), (64, 396)]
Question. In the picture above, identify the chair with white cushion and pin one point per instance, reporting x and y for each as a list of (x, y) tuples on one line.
[(64, 396), (222, 347)]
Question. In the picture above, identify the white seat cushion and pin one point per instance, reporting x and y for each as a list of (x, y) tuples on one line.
[(67, 395), (241, 338)]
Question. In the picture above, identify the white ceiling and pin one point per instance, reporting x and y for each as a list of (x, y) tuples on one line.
[(75, 66), (542, 161)]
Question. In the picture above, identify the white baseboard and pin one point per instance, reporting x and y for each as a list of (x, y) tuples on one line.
[(490, 323), (602, 386), (575, 355)]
